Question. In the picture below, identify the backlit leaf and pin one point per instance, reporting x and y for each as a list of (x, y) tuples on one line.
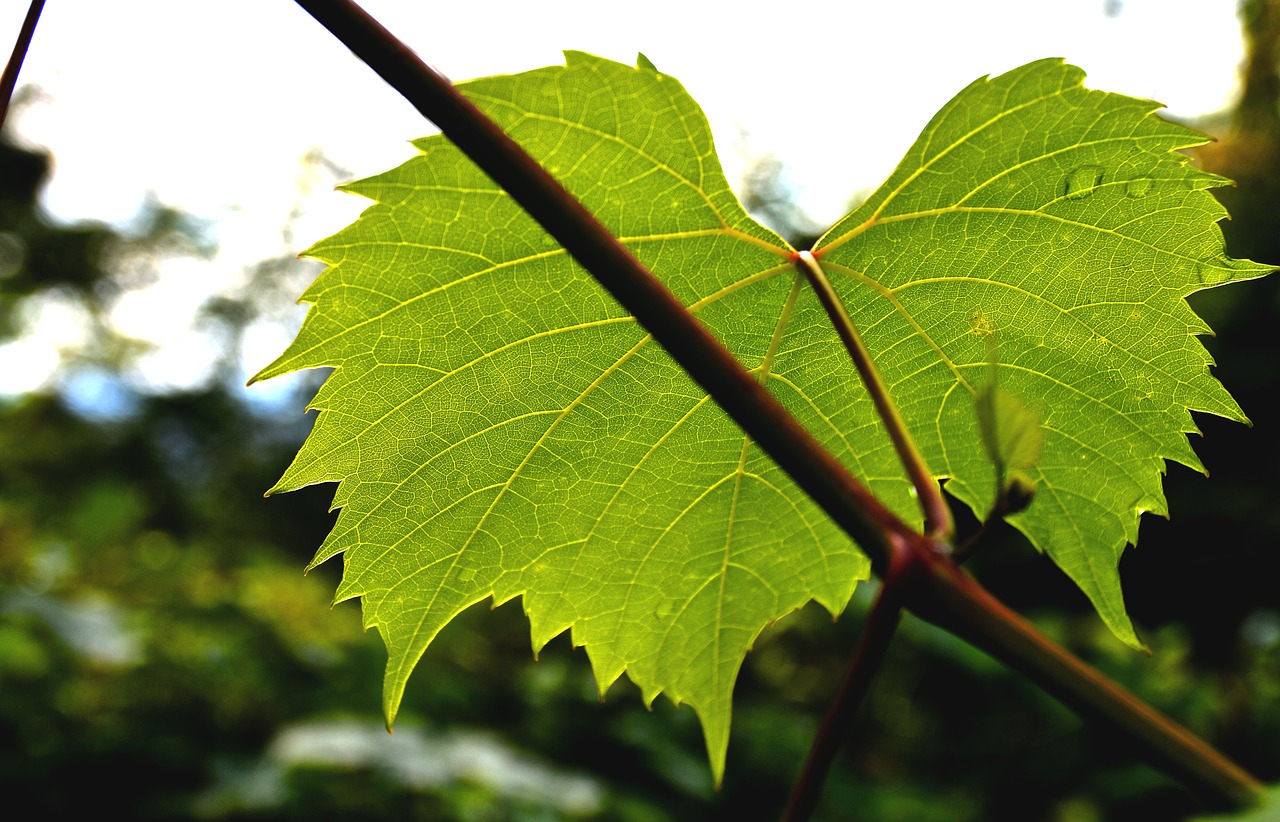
[(1059, 220), (500, 428)]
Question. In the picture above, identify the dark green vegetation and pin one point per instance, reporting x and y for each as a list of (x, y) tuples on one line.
[(158, 512)]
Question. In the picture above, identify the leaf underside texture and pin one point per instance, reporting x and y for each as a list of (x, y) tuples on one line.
[(500, 427)]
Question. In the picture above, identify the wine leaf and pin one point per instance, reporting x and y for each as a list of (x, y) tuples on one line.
[(499, 427)]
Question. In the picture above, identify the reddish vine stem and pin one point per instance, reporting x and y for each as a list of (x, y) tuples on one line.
[(710, 364), (9, 80), (868, 656), (941, 592), (951, 599), (938, 522)]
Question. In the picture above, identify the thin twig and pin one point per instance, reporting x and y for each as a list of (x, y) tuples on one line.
[(873, 642), (9, 80), (937, 515), (819, 474), (942, 593), (951, 599)]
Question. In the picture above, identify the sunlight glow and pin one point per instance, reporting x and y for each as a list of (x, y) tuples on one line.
[(245, 114), (26, 365)]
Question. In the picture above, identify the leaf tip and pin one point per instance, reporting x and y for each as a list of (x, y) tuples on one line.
[(1132, 640), (272, 370), (717, 775), (258, 377)]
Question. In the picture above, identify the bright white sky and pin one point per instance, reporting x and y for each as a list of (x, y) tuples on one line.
[(211, 107)]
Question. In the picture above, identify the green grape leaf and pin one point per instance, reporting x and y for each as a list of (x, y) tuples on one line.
[(499, 427), (1060, 221)]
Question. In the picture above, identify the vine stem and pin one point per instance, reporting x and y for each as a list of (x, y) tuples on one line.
[(710, 364), (951, 599), (9, 80), (940, 591), (868, 656), (937, 515)]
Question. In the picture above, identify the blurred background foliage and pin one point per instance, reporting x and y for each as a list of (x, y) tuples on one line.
[(163, 657)]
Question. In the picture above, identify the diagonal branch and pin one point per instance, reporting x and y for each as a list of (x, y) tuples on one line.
[(9, 80), (821, 476), (939, 591), (873, 644), (937, 516)]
